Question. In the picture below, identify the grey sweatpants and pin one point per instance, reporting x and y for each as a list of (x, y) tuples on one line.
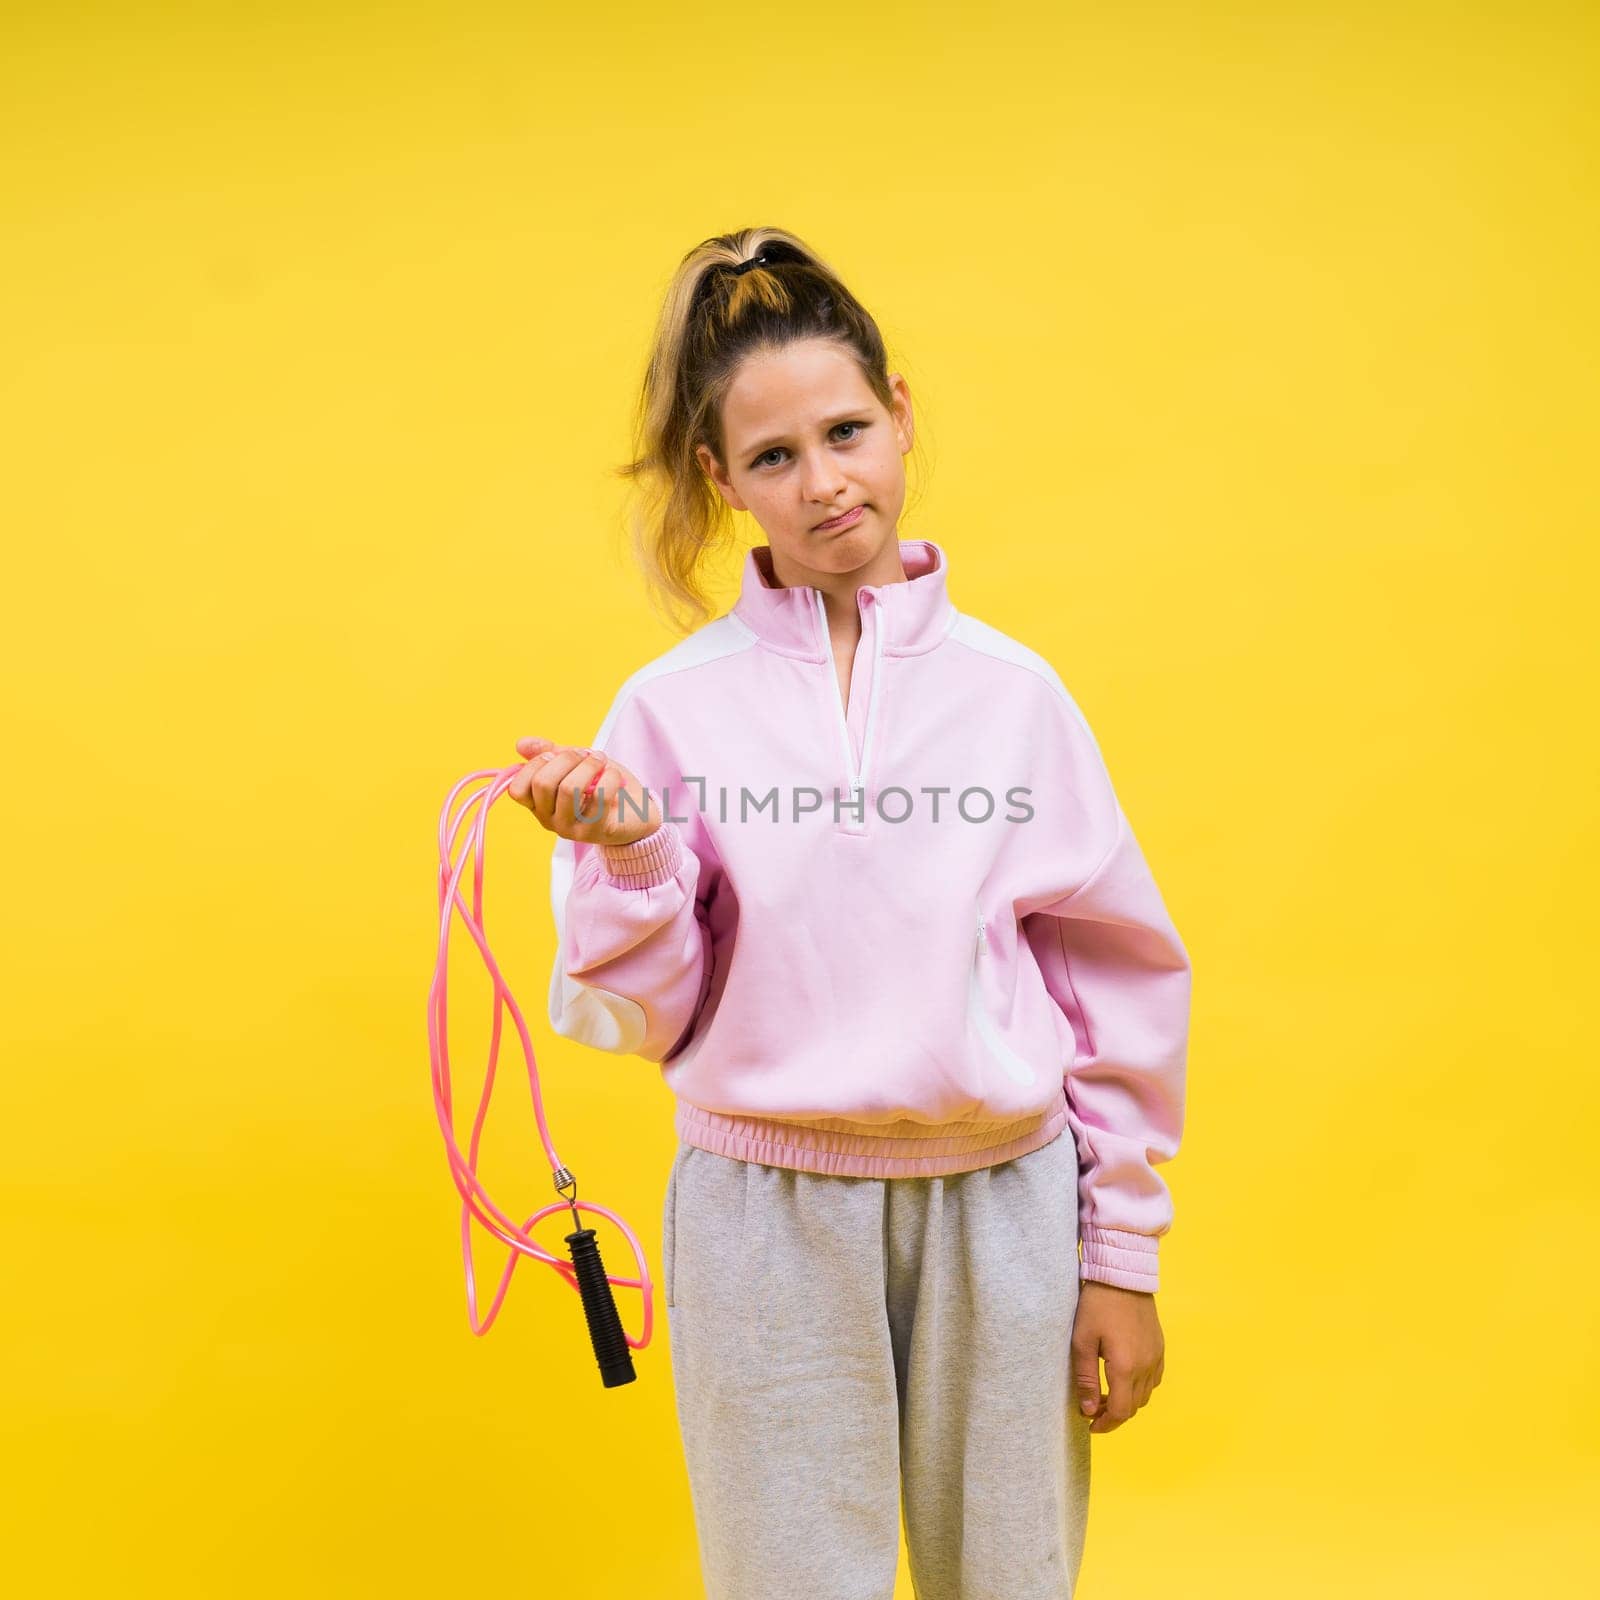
[(841, 1342)]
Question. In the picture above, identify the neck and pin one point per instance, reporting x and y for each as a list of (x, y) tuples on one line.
[(839, 588)]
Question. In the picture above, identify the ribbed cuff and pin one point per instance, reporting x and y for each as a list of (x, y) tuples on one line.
[(646, 862), (1118, 1257)]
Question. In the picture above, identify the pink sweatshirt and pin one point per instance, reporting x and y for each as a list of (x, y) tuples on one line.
[(904, 938)]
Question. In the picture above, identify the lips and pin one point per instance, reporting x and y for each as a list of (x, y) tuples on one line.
[(844, 520)]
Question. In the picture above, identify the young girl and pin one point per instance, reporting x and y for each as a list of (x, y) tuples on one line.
[(848, 864)]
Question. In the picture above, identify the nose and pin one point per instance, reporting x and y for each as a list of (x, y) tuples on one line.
[(823, 482)]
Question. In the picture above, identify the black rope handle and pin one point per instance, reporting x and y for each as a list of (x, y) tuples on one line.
[(599, 1304)]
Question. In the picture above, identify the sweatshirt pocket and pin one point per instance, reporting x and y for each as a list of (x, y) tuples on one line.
[(987, 1030)]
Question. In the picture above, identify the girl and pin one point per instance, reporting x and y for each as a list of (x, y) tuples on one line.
[(847, 863)]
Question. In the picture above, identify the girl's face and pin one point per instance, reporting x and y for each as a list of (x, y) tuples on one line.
[(806, 440)]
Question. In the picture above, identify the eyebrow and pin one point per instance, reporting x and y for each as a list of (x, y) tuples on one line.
[(827, 422)]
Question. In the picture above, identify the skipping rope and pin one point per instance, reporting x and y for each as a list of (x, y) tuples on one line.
[(585, 1272)]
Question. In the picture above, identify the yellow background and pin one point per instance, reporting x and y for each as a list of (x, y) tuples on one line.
[(1254, 369)]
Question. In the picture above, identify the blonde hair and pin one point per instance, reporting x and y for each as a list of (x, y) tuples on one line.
[(711, 319)]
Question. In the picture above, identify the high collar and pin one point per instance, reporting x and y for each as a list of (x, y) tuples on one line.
[(914, 614)]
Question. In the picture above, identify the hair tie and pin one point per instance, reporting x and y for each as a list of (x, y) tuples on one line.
[(745, 266)]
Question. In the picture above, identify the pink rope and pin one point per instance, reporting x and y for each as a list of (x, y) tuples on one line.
[(475, 1201)]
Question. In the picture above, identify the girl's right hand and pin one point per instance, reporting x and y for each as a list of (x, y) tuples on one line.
[(552, 786)]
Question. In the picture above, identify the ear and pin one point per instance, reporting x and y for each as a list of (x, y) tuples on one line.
[(713, 470), (905, 426)]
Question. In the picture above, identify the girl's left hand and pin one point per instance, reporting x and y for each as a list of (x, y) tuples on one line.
[(1120, 1327)]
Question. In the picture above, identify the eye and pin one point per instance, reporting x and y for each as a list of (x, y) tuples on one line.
[(778, 449)]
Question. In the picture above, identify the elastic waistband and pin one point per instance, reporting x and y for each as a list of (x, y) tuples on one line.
[(903, 1149)]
